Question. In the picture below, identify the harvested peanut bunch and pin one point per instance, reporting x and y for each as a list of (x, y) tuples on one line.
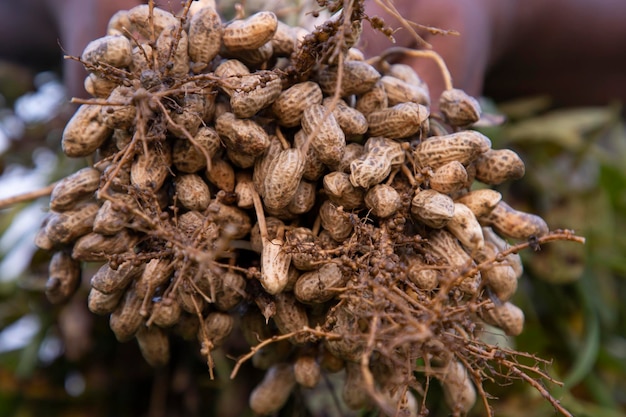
[(253, 174)]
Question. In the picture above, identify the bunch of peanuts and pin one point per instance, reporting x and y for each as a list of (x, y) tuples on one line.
[(223, 193)]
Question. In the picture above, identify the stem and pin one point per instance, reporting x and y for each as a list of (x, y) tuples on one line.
[(31, 195)]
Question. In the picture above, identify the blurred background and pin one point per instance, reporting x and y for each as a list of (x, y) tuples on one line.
[(64, 361)]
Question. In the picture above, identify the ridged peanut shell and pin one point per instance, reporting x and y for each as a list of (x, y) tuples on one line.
[(499, 165), (383, 200), (432, 208), (463, 146), (291, 103), (110, 50), (400, 121), (273, 391), (63, 277), (85, 132), (514, 223), (250, 33), (205, 35), (283, 177)]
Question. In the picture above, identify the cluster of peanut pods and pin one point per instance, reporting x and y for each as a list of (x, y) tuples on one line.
[(221, 195)]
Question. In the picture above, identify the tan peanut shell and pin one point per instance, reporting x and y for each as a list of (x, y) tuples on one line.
[(263, 164), (67, 226), (285, 40), (148, 25), (156, 273), (514, 223), (304, 198), (113, 50), (353, 151), (400, 121), (205, 36), (340, 190), (465, 227), (232, 221), (98, 86), (512, 259), (314, 168), (101, 304), (250, 33), (242, 135), (507, 316), (221, 174), (326, 136), (63, 277), (274, 266), (405, 73), (497, 166), (321, 285), (230, 290), (351, 121), (244, 188), (252, 58), (421, 275), (273, 224), (154, 345), (283, 178), (372, 100), (274, 390), (192, 192), (432, 208), (292, 102), (84, 132), (444, 245), (165, 312), (254, 92), (291, 316), (459, 392), (217, 326), (230, 68), (114, 215), (399, 91), (500, 276), (189, 157), (391, 150), (383, 200), (94, 247), (126, 318), (149, 171), (336, 222), (369, 169), (172, 51), (459, 108), (480, 201), (358, 78), (108, 280), (448, 178), (307, 371), (463, 146)]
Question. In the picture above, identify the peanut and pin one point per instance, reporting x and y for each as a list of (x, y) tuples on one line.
[(464, 147), (291, 103), (497, 166), (327, 138), (250, 33), (205, 36), (272, 393), (84, 132), (383, 200), (63, 278)]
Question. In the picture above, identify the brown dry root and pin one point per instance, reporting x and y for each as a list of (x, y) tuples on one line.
[(257, 170)]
